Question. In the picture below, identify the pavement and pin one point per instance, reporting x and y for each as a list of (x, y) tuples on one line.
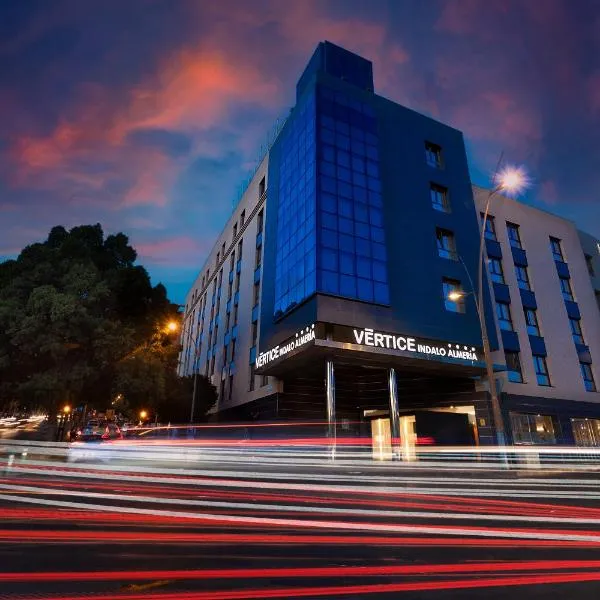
[(261, 527)]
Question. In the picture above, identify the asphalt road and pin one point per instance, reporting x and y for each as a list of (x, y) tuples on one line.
[(254, 528)]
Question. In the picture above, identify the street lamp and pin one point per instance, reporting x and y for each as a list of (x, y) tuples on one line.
[(143, 415), (508, 180), (172, 327), (66, 409)]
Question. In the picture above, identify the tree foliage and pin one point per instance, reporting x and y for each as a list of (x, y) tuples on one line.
[(80, 322)]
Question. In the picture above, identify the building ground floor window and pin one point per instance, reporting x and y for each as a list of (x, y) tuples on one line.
[(586, 432), (532, 428)]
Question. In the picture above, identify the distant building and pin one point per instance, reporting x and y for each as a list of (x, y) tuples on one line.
[(328, 295)]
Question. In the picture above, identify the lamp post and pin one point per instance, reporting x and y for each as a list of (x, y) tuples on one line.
[(509, 180)]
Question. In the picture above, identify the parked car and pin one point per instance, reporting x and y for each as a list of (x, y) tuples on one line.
[(96, 431)]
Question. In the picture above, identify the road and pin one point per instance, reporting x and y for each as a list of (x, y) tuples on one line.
[(255, 527)]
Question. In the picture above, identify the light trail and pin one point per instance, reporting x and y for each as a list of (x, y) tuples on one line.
[(301, 523)]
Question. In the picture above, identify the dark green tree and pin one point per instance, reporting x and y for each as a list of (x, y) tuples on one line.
[(71, 309)]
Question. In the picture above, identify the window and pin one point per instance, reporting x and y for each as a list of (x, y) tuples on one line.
[(453, 296), (256, 293), (264, 380), (513, 367), (235, 229), (235, 314), (242, 218), (261, 187), (232, 350), (223, 249), (495, 269), (433, 155), (232, 261), (588, 377), (586, 432), (522, 277), (445, 244), (218, 258), (556, 249), (258, 257), (252, 381), (532, 429), (503, 314), (576, 330), (541, 370), (565, 288), (589, 262), (240, 247), (514, 237), (533, 327), (237, 282), (230, 386), (259, 221), (254, 332), (439, 198), (490, 227)]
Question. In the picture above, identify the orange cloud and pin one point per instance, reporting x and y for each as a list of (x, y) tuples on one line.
[(180, 251)]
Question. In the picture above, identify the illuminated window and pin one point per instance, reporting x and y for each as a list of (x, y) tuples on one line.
[(453, 296)]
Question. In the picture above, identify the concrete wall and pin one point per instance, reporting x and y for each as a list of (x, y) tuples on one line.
[(536, 226)]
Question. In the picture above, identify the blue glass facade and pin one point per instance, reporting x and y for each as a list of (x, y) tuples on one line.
[(295, 263), (352, 259)]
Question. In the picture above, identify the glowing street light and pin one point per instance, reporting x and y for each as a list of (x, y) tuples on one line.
[(66, 409), (172, 326), (143, 414), (511, 180), (454, 296)]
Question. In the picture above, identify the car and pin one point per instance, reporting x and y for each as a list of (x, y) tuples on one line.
[(95, 431)]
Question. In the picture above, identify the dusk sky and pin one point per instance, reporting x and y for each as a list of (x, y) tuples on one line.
[(146, 115)]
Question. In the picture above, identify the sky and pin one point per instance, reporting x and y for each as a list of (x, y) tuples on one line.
[(147, 115)]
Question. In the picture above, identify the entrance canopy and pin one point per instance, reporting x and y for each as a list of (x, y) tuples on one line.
[(369, 347)]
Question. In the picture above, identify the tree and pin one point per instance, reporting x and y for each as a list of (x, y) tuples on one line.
[(70, 309)]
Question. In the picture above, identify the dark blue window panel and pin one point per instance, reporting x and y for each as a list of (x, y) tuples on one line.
[(347, 263), (252, 355), (346, 225), (227, 339), (538, 346), (329, 221), (234, 332), (381, 293), (330, 282), (230, 276), (494, 250), (236, 298), (228, 306), (238, 266), (527, 298), (583, 353), (562, 269), (353, 194), (365, 289), (348, 285), (501, 292), (363, 267), (255, 313), (519, 256), (257, 275), (231, 368), (572, 309), (510, 340)]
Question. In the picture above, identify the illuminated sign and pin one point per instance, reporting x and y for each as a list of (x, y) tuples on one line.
[(302, 338), (389, 341)]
